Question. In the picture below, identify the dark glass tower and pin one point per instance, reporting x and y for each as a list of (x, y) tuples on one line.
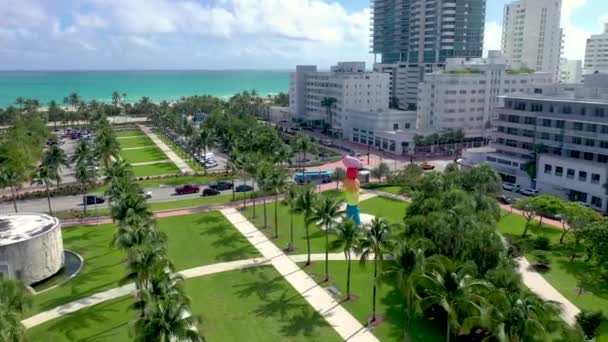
[(427, 31)]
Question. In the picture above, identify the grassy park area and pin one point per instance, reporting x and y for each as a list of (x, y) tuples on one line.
[(137, 141), (194, 240), (148, 154), (263, 305), (155, 169), (125, 134)]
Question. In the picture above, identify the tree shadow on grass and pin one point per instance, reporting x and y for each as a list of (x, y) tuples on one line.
[(262, 287), (281, 306), (305, 323), (237, 253)]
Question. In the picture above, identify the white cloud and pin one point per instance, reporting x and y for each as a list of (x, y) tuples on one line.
[(89, 20), (492, 37)]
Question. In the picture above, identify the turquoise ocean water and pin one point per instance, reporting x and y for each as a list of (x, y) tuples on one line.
[(158, 85)]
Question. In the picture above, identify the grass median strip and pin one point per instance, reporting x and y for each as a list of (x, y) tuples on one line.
[(148, 154), (139, 141), (155, 169)]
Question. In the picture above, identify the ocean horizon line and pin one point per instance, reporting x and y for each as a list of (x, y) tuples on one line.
[(142, 70)]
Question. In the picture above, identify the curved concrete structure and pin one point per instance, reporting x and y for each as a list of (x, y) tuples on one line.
[(31, 247)]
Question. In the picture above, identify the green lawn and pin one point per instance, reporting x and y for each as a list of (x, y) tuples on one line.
[(391, 209), (134, 133), (180, 152), (148, 154), (194, 240), (389, 302), (155, 169), (139, 141), (250, 305), (565, 275)]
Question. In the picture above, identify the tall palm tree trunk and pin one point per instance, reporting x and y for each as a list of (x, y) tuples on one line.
[(14, 199), (374, 290), (265, 215), (276, 215), (291, 246), (307, 246), (447, 334), (348, 276), (233, 192), (48, 199), (327, 253), (84, 201)]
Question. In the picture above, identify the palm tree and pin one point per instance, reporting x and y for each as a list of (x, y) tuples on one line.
[(41, 176), (375, 241), (107, 147), (85, 175), (408, 263), (325, 213), (348, 235), (338, 176), (291, 197), (276, 184), (305, 204), (303, 145), (73, 100), (129, 203), (115, 99), (452, 286), (519, 316), (11, 178), (20, 101), (203, 140), (263, 179), (328, 103), (54, 158), (14, 300)]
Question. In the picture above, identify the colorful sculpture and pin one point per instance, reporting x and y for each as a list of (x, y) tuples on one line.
[(352, 187)]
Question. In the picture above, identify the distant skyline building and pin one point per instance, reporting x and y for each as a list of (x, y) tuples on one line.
[(596, 53), (414, 37), (571, 71), (532, 36)]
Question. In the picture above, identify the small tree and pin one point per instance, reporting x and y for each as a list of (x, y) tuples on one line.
[(338, 176), (381, 171), (575, 217), (590, 321), (530, 211)]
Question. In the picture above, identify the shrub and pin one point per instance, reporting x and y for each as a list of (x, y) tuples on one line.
[(543, 260), (590, 321), (542, 243), (516, 247)]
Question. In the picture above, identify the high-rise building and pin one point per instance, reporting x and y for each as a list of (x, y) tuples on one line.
[(596, 54), (414, 37), (531, 35), (571, 71), (464, 95), (560, 128)]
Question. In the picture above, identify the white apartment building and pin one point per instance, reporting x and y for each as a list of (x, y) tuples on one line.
[(464, 95), (361, 113), (596, 54), (531, 35), (571, 71), (570, 124)]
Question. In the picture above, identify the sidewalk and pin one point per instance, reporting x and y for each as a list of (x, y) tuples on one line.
[(341, 320), (179, 162)]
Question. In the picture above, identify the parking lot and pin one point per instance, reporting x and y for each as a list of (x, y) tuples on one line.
[(214, 160)]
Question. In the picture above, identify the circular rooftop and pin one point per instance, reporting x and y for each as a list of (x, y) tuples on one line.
[(21, 227)]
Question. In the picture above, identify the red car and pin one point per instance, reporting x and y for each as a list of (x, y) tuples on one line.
[(187, 189), (427, 166)]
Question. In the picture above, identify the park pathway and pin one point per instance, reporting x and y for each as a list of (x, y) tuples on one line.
[(181, 164), (151, 163), (341, 320)]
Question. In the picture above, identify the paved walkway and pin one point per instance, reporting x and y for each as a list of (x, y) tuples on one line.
[(151, 162), (139, 148), (179, 162), (341, 320)]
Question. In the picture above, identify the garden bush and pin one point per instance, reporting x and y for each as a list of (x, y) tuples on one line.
[(542, 243), (543, 260), (590, 321)]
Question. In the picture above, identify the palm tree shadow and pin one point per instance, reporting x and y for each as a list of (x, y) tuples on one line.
[(261, 287), (280, 306), (305, 323)]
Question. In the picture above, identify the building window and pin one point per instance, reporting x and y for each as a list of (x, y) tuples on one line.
[(520, 106), (602, 158), (575, 154), (596, 202), (599, 112), (536, 107), (590, 142), (395, 127), (513, 118), (529, 120), (570, 174), (583, 111), (560, 123), (591, 128), (595, 178), (604, 144), (407, 125), (588, 156), (577, 140), (545, 136), (582, 176), (548, 169), (567, 110), (578, 126), (546, 122), (559, 171), (558, 137)]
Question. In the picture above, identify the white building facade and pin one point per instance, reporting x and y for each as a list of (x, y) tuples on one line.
[(464, 95), (361, 113), (567, 124), (596, 53), (531, 35), (571, 71)]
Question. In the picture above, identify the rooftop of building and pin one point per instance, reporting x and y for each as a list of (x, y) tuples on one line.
[(594, 90), (519, 71), (21, 227)]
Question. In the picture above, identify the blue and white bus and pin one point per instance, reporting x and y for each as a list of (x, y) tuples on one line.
[(319, 177)]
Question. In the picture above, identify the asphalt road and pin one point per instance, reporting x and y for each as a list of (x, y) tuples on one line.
[(159, 194)]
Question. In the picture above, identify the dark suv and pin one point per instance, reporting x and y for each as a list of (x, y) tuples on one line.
[(210, 192), (221, 186), (92, 199), (187, 189)]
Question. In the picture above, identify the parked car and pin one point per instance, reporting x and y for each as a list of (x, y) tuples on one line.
[(146, 194), (92, 199), (427, 166), (504, 199), (243, 188), (210, 164), (530, 192), (187, 189), (511, 187), (210, 192), (221, 185)]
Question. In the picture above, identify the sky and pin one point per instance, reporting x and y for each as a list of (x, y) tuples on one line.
[(218, 34)]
